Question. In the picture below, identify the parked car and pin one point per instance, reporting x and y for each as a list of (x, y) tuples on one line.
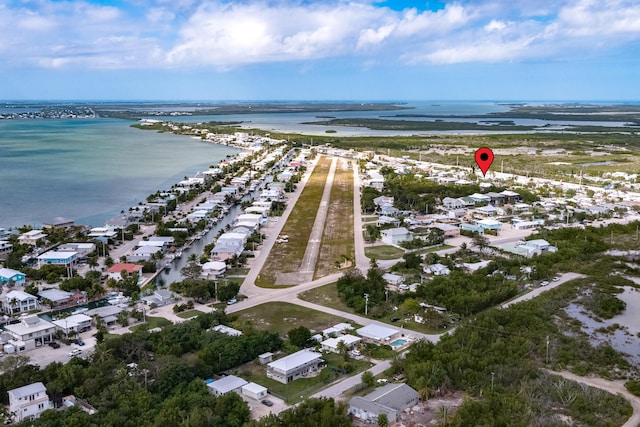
[(54, 344), (355, 353), (544, 283), (232, 301), (555, 279), (394, 319), (75, 352), (267, 402), (79, 342)]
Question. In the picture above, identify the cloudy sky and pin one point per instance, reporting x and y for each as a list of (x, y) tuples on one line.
[(320, 50)]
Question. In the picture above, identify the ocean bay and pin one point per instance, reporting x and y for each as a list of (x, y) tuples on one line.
[(89, 169)]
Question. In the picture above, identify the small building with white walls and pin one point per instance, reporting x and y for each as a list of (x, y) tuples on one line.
[(254, 391), (225, 385)]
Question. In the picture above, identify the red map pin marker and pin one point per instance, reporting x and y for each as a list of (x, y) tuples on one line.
[(484, 158)]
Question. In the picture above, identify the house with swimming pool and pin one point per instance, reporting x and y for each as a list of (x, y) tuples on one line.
[(381, 335)]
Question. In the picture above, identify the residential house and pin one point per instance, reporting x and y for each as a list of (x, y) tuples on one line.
[(115, 272), (384, 220), (294, 366), (393, 279), (489, 224), (538, 246), (436, 269), (480, 198), (160, 297), (520, 224), (82, 249), (394, 236), (213, 269), (448, 229), (57, 258), (143, 254), (390, 399), (5, 249), (451, 203), (383, 200), (337, 330), (225, 385), (332, 344), (56, 297), (28, 402), (76, 323), (497, 199), (58, 222), (30, 333), (107, 314), (32, 237), (488, 210), (377, 334), (510, 196), (10, 277), (17, 302)]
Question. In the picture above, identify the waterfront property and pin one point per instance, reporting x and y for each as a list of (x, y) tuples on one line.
[(17, 302), (28, 402), (294, 366), (56, 297), (115, 272), (76, 323)]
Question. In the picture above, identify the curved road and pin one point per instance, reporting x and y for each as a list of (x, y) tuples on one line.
[(608, 386)]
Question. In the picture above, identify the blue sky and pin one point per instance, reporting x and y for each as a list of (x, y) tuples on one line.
[(320, 50)]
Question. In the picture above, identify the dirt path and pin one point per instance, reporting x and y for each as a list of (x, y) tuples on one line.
[(611, 387)]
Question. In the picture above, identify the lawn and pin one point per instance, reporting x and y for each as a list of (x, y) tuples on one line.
[(383, 252), (152, 322), (283, 316), (287, 257), (326, 296), (301, 388), (337, 238), (189, 314)]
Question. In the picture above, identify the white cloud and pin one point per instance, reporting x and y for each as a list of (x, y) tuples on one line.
[(221, 34), (495, 25)]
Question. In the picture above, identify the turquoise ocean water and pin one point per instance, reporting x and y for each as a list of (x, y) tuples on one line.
[(89, 169)]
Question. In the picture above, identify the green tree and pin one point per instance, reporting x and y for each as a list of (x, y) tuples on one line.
[(368, 379), (299, 336), (383, 421)]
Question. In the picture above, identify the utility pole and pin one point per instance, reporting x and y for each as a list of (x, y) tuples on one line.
[(366, 304), (547, 349)]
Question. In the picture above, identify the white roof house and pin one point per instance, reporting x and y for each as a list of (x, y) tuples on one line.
[(57, 258), (20, 302), (28, 402), (378, 333), (293, 366), (77, 322), (393, 236), (337, 329), (331, 344), (226, 385), (31, 237), (227, 330), (254, 391), (30, 333)]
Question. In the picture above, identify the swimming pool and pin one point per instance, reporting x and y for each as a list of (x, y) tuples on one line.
[(398, 343)]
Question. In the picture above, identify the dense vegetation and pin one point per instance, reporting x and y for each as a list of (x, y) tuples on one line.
[(166, 388)]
